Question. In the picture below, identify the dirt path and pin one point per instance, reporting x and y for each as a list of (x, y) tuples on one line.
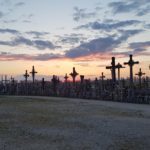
[(47, 123)]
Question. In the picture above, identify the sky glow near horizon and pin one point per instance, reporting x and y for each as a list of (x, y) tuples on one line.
[(55, 36)]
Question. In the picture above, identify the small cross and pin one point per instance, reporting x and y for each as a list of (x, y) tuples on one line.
[(74, 74), (33, 72), (140, 74)]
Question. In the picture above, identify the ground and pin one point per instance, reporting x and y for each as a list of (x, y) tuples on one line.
[(48, 123)]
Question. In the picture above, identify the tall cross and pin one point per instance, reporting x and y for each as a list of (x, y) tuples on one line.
[(66, 78), (113, 69), (33, 72), (26, 75), (131, 63), (119, 66), (73, 75), (140, 74)]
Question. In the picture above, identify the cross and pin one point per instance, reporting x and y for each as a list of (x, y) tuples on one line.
[(131, 63), (119, 66), (55, 80), (33, 72), (82, 78), (66, 78), (113, 69), (102, 77), (26, 75), (74, 74), (140, 74)]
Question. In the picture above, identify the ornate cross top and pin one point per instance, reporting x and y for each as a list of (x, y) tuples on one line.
[(113, 69), (131, 63), (66, 78), (26, 75), (74, 74), (140, 74), (119, 66), (33, 72)]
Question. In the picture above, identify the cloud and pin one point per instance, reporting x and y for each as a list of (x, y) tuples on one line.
[(129, 6), (71, 39), (1, 14), (38, 57), (82, 64), (108, 26), (139, 46), (10, 21), (80, 14), (39, 44), (19, 4), (101, 45), (37, 34), (11, 31)]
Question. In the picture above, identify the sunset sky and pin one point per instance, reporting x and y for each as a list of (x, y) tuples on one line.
[(56, 35)]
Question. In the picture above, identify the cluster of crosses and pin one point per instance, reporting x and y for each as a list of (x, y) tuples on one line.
[(74, 87)]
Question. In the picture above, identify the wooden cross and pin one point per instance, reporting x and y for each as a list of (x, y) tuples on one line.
[(113, 68), (73, 75), (33, 72), (119, 66), (26, 75), (131, 63), (140, 74), (102, 76), (66, 78)]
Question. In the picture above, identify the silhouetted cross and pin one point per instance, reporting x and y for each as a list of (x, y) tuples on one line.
[(66, 78), (74, 74), (33, 72), (26, 75), (113, 68), (119, 66), (140, 74), (131, 63)]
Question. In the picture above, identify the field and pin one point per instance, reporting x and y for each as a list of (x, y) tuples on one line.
[(47, 123)]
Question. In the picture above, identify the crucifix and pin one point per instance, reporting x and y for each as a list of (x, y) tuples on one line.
[(33, 72), (66, 78), (74, 74), (26, 75), (131, 63), (119, 66), (140, 74), (113, 68)]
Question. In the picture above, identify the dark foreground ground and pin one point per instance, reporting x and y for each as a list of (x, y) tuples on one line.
[(37, 123)]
